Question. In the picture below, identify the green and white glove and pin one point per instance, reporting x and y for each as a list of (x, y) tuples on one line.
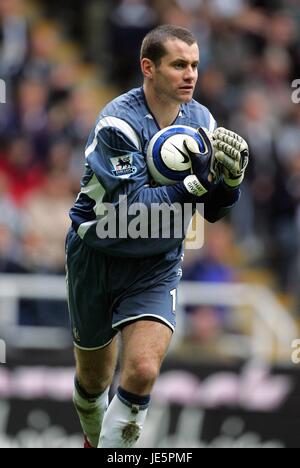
[(232, 155)]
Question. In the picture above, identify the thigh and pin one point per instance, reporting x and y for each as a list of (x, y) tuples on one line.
[(97, 365), (90, 304), (145, 341)]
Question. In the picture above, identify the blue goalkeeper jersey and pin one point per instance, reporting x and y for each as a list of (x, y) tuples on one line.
[(116, 168)]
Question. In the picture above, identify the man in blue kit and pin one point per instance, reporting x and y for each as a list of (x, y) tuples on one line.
[(120, 284)]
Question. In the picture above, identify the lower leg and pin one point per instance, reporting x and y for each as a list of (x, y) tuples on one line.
[(90, 409), (94, 373), (144, 346), (124, 420)]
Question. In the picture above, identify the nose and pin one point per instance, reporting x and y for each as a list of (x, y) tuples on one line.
[(190, 73)]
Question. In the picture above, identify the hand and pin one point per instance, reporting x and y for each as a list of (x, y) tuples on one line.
[(232, 154), (201, 153)]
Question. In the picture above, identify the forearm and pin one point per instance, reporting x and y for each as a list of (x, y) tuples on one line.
[(217, 203), (168, 194), (143, 223), (221, 200)]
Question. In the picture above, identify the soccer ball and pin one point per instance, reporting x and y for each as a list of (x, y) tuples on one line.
[(167, 159)]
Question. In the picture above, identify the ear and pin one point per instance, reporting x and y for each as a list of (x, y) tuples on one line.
[(147, 68)]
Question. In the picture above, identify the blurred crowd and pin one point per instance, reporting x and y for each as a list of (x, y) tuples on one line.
[(62, 61)]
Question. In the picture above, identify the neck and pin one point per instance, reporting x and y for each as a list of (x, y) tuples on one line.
[(163, 110)]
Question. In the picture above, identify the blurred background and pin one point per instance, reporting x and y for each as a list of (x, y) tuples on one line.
[(231, 378)]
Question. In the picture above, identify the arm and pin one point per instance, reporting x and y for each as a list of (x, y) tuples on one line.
[(105, 182), (117, 179), (110, 144), (221, 200)]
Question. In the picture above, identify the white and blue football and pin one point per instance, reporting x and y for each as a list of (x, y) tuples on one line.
[(167, 159)]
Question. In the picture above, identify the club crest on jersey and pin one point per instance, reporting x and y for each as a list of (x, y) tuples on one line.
[(123, 166)]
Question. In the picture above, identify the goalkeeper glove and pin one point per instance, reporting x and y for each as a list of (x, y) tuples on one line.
[(232, 153), (202, 161)]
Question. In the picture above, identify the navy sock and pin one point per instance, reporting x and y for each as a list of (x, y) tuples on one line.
[(83, 393), (131, 399)]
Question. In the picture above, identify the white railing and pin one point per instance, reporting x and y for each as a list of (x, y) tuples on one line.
[(16, 287), (272, 329)]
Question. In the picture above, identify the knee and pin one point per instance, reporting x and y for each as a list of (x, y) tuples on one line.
[(139, 376), (92, 382)]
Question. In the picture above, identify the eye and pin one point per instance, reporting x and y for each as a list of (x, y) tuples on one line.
[(180, 66)]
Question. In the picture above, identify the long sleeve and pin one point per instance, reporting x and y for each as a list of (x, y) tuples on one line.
[(115, 189)]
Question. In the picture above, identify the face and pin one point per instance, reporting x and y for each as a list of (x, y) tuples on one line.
[(176, 76)]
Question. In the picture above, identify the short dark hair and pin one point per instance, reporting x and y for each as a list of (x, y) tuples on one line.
[(153, 45)]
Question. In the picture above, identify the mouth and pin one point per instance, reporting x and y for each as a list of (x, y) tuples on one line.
[(187, 88)]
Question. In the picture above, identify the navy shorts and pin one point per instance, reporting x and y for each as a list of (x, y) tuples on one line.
[(105, 293)]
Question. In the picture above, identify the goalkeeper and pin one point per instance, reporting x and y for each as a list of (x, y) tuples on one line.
[(125, 285)]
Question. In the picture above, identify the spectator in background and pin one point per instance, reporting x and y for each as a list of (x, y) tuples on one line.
[(285, 229), (256, 121), (17, 164), (130, 21), (10, 254), (61, 161), (28, 115), (10, 231), (8, 210), (13, 38), (59, 157), (214, 91), (205, 322), (46, 222), (32, 115), (45, 225), (45, 43)]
